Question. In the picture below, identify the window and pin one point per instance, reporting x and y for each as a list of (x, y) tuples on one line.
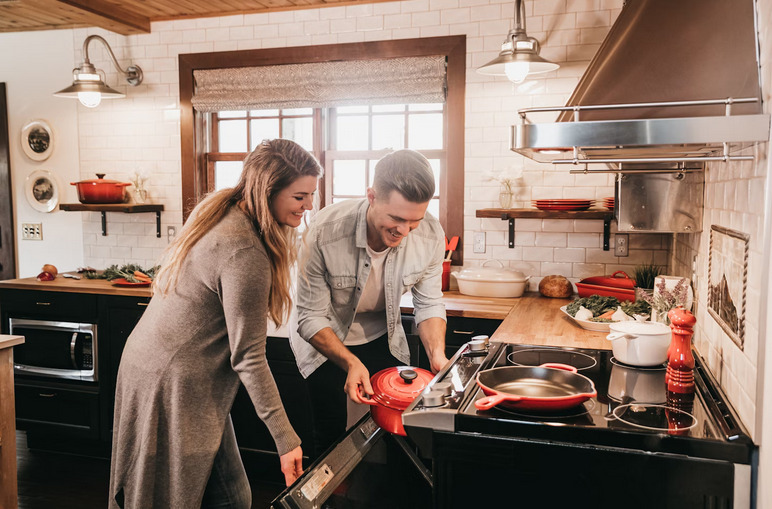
[(347, 140)]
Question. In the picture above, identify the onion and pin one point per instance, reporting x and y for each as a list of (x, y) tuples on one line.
[(45, 276), (51, 269)]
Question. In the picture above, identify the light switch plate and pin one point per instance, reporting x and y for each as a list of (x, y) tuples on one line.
[(479, 242), (32, 231)]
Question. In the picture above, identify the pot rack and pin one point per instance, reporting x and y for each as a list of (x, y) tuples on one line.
[(510, 215), (128, 208), (639, 141)]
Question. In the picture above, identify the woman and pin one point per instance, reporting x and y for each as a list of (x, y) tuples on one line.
[(203, 332)]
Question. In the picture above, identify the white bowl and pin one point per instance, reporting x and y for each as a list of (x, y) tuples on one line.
[(491, 282), (640, 343)]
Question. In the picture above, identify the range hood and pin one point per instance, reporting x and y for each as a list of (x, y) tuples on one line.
[(675, 81)]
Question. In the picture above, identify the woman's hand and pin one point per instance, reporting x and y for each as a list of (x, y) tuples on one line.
[(292, 465)]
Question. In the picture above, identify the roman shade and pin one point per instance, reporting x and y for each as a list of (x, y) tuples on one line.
[(321, 85)]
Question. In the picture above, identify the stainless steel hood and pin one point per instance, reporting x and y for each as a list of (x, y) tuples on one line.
[(674, 80)]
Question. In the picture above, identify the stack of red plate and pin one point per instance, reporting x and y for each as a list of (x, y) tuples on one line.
[(609, 203), (566, 204)]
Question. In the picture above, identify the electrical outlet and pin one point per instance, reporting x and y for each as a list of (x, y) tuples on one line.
[(479, 242), (32, 231), (171, 232), (621, 241)]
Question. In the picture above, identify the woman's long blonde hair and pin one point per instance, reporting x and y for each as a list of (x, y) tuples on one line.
[(270, 168)]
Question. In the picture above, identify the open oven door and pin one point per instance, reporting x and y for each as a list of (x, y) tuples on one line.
[(368, 468)]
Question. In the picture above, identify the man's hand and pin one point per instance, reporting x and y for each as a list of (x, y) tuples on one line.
[(358, 381), (292, 465), (438, 361)]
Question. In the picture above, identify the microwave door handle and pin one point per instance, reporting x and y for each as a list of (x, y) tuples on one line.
[(72, 350)]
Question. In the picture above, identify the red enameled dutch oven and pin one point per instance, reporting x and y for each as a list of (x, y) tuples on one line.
[(101, 190), (618, 285), (395, 388), (547, 387)]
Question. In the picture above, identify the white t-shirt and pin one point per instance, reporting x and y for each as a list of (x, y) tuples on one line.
[(370, 319)]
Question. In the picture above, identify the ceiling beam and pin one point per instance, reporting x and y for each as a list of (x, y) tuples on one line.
[(112, 18)]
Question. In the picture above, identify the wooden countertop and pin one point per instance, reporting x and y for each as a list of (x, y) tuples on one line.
[(83, 285), (7, 341), (528, 320)]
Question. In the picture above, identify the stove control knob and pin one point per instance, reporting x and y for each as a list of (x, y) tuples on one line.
[(477, 345), (484, 338), (444, 387), (434, 399)]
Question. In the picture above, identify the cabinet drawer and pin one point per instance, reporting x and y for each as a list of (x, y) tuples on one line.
[(63, 306), (460, 330), (57, 410)]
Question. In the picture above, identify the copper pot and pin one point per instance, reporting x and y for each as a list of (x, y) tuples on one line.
[(101, 190), (395, 388)]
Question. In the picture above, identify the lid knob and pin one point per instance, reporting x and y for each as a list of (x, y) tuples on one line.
[(100, 175), (408, 375)]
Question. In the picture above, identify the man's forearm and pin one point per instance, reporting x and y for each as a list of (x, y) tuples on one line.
[(432, 334), (330, 345)]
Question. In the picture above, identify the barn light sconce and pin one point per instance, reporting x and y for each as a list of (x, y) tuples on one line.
[(88, 84), (519, 55)]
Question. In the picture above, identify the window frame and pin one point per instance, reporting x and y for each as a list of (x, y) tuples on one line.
[(193, 125)]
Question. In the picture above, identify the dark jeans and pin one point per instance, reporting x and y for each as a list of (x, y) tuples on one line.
[(328, 399)]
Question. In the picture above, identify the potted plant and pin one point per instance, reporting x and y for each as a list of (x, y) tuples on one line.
[(644, 276)]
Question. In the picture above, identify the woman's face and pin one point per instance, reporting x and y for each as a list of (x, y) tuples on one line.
[(292, 201)]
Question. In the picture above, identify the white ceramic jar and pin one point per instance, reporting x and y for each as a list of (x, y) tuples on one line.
[(640, 343), (491, 282)]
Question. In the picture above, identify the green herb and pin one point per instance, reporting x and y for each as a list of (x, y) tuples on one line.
[(595, 303), (639, 307), (644, 275), (126, 272), (601, 320)]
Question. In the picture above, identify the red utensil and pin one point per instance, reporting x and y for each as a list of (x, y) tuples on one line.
[(452, 245)]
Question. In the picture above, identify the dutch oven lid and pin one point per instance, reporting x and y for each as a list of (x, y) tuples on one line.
[(618, 279), (640, 328), (498, 274), (100, 180), (397, 387)]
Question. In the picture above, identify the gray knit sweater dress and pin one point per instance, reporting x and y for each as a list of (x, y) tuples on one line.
[(181, 368)]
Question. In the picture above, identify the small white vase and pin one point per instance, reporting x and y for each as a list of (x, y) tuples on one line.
[(505, 199), (670, 284)]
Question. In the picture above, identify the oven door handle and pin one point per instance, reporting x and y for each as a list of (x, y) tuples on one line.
[(72, 349)]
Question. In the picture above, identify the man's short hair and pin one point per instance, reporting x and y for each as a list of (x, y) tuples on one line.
[(407, 172)]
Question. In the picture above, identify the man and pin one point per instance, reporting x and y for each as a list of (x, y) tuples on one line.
[(358, 258)]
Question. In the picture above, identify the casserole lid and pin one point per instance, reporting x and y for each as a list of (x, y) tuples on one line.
[(497, 274), (397, 387), (100, 180), (618, 279), (640, 328)]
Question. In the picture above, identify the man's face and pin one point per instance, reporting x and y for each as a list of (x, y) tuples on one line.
[(391, 218)]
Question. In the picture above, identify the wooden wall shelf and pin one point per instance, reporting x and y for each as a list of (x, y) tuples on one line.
[(127, 208), (512, 214)]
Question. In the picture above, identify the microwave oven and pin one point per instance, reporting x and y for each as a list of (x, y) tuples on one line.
[(55, 349)]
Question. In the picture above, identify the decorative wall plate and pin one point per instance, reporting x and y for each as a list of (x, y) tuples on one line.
[(37, 140), (42, 190)]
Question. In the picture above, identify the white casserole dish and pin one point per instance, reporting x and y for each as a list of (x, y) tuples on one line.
[(491, 282), (640, 343)]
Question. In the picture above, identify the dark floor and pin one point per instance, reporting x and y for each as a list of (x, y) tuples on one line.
[(53, 480)]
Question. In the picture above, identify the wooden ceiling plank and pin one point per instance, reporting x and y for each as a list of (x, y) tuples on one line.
[(112, 17)]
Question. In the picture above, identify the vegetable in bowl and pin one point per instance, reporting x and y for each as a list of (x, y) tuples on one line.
[(603, 307)]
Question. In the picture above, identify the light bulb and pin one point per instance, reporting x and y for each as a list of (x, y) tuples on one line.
[(517, 71), (90, 99)]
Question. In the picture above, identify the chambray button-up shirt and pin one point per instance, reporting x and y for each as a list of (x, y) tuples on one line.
[(333, 269)]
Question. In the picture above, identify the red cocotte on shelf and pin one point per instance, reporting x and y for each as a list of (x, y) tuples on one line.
[(617, 285)]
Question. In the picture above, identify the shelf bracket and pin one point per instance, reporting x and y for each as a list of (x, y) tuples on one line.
[(104, 223), (606, 233), (505, 217), (158, 224)]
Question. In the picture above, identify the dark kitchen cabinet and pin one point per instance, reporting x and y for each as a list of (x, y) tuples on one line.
[(459, 331)]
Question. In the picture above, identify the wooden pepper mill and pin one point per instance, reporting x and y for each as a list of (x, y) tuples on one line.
[(680, 367)]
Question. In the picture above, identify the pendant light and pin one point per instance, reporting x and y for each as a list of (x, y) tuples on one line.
[(519, 55), (88, 83)]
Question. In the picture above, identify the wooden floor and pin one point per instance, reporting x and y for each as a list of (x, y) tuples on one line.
[(53, 480)]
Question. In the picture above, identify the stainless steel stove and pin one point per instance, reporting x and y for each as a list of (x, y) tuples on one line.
[(633, 437)]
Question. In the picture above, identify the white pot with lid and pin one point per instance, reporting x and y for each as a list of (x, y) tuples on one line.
[(640, 343), (491, 281)]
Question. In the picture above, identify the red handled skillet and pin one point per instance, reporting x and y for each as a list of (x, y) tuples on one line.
[(546, 387)]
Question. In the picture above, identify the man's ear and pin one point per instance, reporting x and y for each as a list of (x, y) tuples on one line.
[(370, 195)]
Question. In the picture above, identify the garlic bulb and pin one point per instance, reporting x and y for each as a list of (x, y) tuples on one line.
[(620, 316), (583, 313)]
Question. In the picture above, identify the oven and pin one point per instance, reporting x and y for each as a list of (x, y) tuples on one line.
[(55, 349), (632, 445)]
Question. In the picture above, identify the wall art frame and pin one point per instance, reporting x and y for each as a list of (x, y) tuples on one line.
[(728, 280), (42, 190), (37, 140)]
